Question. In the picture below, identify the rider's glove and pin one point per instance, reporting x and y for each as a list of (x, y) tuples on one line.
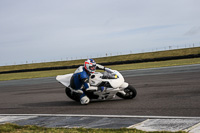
[(100, 67)]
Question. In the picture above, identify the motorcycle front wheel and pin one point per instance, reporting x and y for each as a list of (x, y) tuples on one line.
[(130, 93)]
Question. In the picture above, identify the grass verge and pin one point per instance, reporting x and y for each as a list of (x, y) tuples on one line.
[(140, 56), (13, 128), (38, 74)]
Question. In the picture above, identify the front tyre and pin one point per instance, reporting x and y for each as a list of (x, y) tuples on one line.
[(130, 93)]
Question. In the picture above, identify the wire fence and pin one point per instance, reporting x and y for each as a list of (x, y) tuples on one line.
[(165, 48)]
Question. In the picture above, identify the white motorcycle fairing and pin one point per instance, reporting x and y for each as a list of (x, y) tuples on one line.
[(64, 79)]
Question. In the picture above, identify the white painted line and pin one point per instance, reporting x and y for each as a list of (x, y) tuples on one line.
[(5, 119), (138, 124), (194, 129), (119, 116), (147, 123), (166, 124)]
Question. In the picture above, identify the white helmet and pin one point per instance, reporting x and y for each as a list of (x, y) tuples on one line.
[(90, 65)]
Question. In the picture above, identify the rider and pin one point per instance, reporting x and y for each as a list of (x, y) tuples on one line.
[(80, 79)]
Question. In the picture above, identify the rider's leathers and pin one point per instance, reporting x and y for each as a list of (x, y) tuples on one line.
[(80, 80)]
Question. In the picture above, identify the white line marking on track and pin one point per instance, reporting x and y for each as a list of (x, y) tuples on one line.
[(10, 118), (193, 129), (166, 124), (148, 123), (135, 125), (87, 115)]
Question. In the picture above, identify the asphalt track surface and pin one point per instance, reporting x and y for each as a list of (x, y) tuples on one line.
[(169, 91)]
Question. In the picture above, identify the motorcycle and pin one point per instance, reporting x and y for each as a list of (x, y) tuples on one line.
[(112, 80)]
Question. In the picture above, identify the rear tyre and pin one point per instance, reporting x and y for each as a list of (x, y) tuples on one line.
[(72, 95), (130, 93)]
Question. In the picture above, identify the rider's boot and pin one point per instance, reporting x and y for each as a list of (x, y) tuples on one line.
[(84, 99)]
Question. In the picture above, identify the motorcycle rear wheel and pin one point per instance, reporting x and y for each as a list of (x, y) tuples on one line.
[(71, 95), (130, 93)]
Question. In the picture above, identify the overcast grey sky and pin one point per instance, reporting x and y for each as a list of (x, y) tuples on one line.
[(47, 30)]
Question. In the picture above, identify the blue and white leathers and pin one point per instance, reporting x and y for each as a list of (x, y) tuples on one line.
[(80, 80)]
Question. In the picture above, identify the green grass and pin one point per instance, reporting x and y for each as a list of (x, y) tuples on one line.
[(150, 55), (13, 128), (52, 73), (156, 64)]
